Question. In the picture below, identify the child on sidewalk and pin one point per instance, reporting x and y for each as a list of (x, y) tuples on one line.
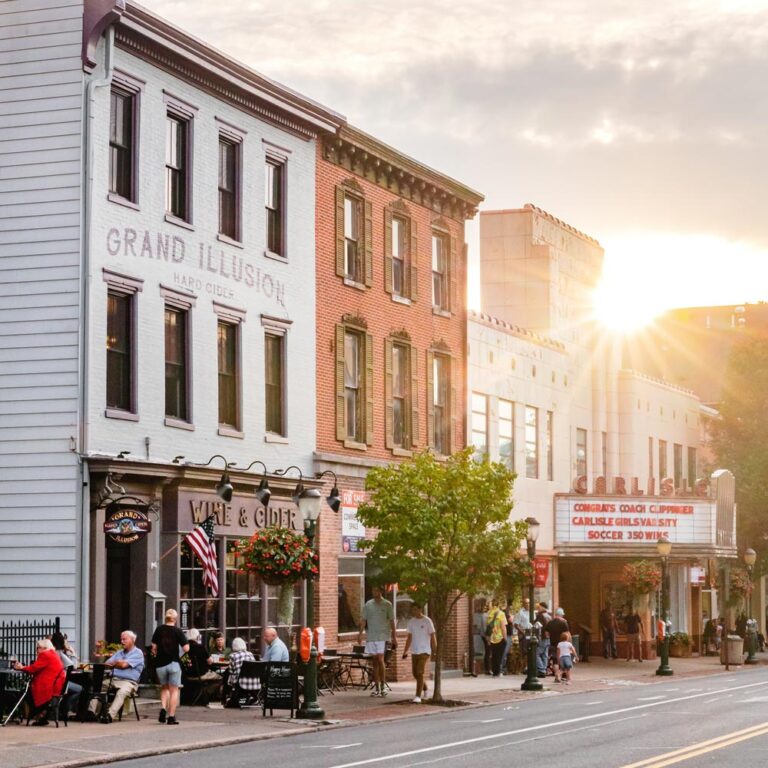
[(566, 656)]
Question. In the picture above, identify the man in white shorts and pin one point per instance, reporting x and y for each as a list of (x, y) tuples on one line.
[(378, 621), (422, 644)]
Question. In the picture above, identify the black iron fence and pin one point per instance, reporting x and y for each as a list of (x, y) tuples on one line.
[(19, 639)]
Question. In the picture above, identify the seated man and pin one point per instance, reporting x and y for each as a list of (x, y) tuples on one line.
[(276, 649), (218, 647), (128, 665)]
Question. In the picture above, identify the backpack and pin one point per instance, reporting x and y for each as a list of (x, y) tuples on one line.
[(489, 626)]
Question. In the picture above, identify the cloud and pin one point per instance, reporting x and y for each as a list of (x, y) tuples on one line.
[(616, 115)]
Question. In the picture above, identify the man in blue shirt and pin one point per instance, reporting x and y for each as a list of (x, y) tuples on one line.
[(127, 665), (276, 648)]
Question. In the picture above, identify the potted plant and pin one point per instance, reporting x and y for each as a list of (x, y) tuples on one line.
[(679, 644), (280, 557), (103, 650)]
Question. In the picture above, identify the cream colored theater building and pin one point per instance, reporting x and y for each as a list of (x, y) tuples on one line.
[(607, 459)]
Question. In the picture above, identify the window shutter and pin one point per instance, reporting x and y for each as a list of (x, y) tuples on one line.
[(414, 397), (368, 266), (430, 399), (340, 232), (453, 442), (341, 431), (413, 254), (453, 277), (388, 250), (368, 389), (388, 405)]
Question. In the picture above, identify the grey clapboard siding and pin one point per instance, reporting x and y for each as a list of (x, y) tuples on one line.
[(41, 90)]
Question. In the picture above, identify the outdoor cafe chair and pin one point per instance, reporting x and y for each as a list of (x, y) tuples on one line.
[(101, 673), (52, 707)]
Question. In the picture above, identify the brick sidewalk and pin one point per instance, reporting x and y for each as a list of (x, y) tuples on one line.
[(82, 744)]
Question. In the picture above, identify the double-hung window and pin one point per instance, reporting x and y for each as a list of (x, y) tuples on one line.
[(353, 246), (581, 452), (274, 202), (177, 167), (400, 395), (176, 363), (531, 441), (441, 410), (353, 386), (480, 426), (440, 271), (120, 364), (229, 193), (229, 374), (399, 255), (274, 362), (506, 433), (122, 144)]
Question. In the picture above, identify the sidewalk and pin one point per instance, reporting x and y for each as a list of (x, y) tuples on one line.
[(82, 744)]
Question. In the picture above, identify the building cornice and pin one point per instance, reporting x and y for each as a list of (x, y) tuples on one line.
[(628, 373), (380, 164), (152, 38), (534, 209), (515, 330)]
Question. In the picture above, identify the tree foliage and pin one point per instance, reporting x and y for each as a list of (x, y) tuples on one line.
[(740, 438), (443, 531)]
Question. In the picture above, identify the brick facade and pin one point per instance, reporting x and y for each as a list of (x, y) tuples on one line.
[(357, 160)]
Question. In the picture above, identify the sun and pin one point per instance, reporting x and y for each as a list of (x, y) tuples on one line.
[(622, 310)]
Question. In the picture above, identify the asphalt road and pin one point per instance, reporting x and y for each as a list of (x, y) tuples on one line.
[(719, 720)]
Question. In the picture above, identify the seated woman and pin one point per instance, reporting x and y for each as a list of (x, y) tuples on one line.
[(47, 678), (240, 653), (75, 689), (200, 667)]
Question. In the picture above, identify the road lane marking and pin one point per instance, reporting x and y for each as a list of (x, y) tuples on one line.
[(591, 703), (331, 746), (542, 726), (651, 698), (506, 744), (701, 748)]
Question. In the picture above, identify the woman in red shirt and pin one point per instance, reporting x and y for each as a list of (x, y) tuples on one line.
[(47, 677)]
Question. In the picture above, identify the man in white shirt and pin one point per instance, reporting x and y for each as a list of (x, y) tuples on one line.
[(422, 643), (522, 623)]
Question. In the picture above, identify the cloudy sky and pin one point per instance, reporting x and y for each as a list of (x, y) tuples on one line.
[(642, 124)]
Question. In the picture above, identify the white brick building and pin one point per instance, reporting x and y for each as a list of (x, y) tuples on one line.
[(158, 190), (548, 394)]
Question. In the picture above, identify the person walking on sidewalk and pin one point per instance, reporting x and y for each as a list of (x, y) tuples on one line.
[(634, 626), (566, 656), (542, 647), (555, 629), (378, 621), (609, 628), (496, 631), (422, 643), (167, 640)]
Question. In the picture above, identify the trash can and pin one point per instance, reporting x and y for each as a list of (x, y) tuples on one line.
[(732, 650)]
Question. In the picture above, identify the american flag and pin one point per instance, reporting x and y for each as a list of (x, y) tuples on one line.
[(201, 543)]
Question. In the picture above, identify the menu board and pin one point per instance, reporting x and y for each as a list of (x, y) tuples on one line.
[(280, 687)]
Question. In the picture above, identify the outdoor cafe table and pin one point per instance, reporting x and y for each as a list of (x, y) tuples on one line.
[(355, 670), (15, 695)]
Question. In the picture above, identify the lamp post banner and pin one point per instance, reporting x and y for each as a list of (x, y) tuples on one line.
[(540, 572), (634, 520)]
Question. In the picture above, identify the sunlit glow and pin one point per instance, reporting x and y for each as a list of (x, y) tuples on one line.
[(647, 273)]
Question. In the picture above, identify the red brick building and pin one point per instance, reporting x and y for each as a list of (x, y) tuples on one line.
[(391, 340)]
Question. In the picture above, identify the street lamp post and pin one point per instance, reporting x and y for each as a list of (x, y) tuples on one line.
[(750, 557), (531, 678), (664, 547), (308, 500)]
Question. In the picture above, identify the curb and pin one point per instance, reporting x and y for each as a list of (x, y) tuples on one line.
[(329, 725)]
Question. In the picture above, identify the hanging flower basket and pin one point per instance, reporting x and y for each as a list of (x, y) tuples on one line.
[(641, 577), (278, 556)]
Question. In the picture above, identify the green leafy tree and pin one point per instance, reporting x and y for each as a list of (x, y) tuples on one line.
[(740, 438), (443, 531)]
